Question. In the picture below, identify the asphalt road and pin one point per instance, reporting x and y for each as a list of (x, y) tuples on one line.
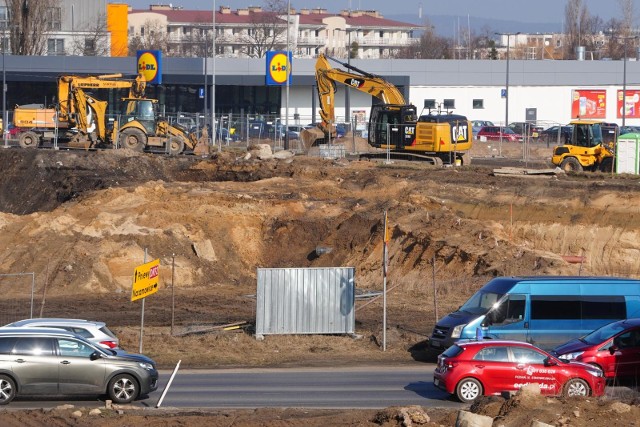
[(353, 387), (320, 388)]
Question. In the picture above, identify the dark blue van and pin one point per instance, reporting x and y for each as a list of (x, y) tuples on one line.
[(543, 310)]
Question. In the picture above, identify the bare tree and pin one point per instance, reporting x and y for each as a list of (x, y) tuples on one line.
[(628, 16), (429, 46), (29, 22), (92, 39), (267, 29), (576, 17), (153, 35)]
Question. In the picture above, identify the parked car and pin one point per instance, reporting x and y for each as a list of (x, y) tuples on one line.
[(623, 129), (558, 134), (95, 332), (526, 128), (614, 348), (490, 367), (295, 130), (497, 133), (46, 361), (476, 125)]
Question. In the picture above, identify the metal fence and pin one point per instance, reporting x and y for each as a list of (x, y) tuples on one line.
[(17, 300)]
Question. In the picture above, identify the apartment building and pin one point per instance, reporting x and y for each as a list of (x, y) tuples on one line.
[(250, 32)]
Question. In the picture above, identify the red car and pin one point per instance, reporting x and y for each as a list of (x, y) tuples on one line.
[(495, 133), (490, 367), (614, 348)]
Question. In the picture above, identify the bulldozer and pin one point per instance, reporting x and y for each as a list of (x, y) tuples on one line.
[(590, 146), (79, 119), (393, 123)]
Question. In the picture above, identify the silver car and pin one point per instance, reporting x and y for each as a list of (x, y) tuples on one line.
[(47, 361), (96, 332)]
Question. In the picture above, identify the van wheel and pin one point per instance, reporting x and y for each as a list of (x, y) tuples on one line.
[(123, 389), (468, 390), (571, 164), (7, 389), (133, 139), (576, 387)]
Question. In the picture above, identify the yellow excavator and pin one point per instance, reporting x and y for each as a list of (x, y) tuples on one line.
[(79, 119), (393, 123)]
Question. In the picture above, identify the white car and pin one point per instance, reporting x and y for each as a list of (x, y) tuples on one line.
[(95, 332)]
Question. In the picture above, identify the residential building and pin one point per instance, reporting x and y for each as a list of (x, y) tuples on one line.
[(250, 32)]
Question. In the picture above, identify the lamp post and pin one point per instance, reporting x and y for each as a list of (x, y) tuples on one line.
[(624, 79), (4, 94), (288, 76), (506, 90), (347, 100), (213, 83)]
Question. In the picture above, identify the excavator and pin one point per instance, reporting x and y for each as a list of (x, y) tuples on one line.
[(393, 123), (589, 147), (79, 119)]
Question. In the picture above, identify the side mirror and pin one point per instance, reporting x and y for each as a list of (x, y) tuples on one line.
[(613, 349), (550, 362), (95, 355)]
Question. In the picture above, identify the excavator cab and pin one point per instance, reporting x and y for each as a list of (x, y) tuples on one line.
[(392, 125), (143, 111)]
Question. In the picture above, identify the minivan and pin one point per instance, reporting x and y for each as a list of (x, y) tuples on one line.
[(543, 310), (48, 361)]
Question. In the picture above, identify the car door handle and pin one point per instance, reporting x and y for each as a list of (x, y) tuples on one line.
[(520, 366), (480, 366), (20, 360), (65, 362)]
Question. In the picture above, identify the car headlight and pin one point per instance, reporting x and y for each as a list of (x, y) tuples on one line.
[(571, 356), (147, 366), (596, 372), (457, 331)]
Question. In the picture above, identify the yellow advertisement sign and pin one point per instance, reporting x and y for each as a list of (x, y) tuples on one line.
[(145, 280)]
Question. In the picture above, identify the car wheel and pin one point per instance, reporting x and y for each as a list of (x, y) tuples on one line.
[(123, 388), (576, 387), (468, 390), (571, 164), (7, 389)]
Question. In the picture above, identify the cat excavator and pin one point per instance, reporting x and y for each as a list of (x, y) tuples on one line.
[(80, 120), (393, 123)]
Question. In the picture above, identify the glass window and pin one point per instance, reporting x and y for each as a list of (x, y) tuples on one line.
[(478, 104), (82, 332), (430, 103), (55, 47), (54, 18), (6, 345), (604, 307), (555, 307), (74, 348), (481, 302), (509, 310), (494, 354), (453, 351), (33, 346), (449, 103), (527, 355)]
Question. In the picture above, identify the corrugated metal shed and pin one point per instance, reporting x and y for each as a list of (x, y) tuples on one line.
[(305, 301)]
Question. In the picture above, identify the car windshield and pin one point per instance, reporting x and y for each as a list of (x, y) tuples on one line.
[(508, 130), (603, 334), (480, 303)]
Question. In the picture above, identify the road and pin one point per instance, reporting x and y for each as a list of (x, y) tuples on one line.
[(319, 388), (353, 387)]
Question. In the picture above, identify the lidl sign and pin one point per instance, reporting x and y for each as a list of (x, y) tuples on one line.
[(150, 65), (278, 68), (145, 280)]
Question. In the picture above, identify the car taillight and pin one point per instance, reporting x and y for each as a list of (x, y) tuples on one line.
[(450, 364), (109, 344)]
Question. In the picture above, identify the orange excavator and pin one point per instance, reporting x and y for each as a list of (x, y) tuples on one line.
[(393, 123)]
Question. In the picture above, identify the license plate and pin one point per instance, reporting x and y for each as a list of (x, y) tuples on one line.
[(435, 344), (436, 382)]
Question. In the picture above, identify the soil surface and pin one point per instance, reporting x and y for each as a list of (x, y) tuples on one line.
[(81, 221)]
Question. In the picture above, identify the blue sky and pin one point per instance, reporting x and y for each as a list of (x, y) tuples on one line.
[(516, 10)]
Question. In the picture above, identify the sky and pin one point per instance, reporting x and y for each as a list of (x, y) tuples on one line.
[(517, 10)]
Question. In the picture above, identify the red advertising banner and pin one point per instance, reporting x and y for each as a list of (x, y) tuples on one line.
[(632, 106), (588, 104)]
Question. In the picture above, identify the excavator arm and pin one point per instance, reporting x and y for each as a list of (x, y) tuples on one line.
[(327, 77)]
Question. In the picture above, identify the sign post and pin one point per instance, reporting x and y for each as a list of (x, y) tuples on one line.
[(145, 283)]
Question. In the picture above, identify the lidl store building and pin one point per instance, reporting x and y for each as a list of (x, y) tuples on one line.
[(546, 91)]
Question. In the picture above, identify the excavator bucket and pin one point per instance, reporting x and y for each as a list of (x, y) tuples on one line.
[(311, 137)]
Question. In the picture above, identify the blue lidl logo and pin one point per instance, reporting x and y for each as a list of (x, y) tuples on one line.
[(150, 65), (278, 67)]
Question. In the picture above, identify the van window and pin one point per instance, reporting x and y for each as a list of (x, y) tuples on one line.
[(510, 310), (546, 307), (33, 346), (480, 302)]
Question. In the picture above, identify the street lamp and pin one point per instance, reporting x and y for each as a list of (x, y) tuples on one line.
[(4, 94), (624, 79), (347, 100), (506, 90)]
